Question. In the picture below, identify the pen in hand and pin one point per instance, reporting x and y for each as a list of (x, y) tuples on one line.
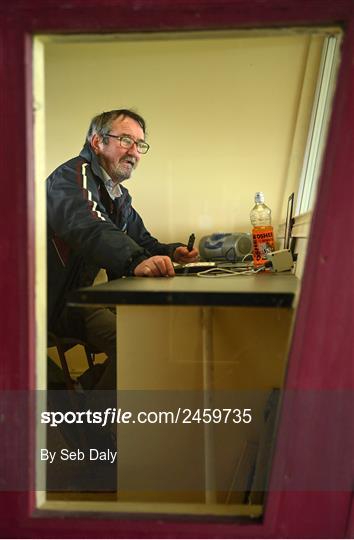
[(191, 242)]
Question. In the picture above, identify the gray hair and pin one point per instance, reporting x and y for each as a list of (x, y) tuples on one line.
[(102, 123)]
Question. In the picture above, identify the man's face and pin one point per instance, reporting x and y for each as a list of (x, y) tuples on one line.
[(117, 161)]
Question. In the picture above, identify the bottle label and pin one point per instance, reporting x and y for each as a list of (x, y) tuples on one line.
[(263, 243)]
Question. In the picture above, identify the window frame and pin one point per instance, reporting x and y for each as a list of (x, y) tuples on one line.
[(318, 125), (322, 513)]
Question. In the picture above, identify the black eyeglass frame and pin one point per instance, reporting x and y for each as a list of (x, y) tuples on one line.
[(120, 137)]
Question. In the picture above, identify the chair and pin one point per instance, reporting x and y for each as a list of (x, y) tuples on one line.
[(64, 344), (77, 435)]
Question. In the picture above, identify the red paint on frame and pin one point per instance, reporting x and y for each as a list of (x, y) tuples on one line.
[(321, 353)]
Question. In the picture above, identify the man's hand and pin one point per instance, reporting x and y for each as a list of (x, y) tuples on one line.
[(183, 256), (157, 266)]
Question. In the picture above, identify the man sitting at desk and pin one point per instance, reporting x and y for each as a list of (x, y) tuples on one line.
[(91, 225)]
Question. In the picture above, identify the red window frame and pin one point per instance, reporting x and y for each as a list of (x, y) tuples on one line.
[(321, 352)]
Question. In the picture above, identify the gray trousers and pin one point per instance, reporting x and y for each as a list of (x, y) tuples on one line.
[(100, 324), (97, 327)]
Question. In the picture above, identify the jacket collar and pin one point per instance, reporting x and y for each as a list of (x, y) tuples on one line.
[(91, 157)]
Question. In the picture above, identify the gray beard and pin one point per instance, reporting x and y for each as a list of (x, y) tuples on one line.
[(119, 176)]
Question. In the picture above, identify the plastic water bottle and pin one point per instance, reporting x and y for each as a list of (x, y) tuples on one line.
[(262, 232)]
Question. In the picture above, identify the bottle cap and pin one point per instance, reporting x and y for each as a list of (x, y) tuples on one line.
[(259, 197)]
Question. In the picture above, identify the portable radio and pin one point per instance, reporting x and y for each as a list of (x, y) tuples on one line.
[(232, 247)]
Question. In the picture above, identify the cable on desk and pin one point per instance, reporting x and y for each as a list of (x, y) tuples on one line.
[(249, 255), (225, 272)]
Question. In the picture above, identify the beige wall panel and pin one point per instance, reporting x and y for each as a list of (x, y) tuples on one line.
[(164, 352), (249, 346), (221, 116)]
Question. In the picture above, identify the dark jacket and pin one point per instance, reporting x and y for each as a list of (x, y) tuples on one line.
[(87, 230)]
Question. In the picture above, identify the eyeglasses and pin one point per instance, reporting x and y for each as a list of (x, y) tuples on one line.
[(127, 142)]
